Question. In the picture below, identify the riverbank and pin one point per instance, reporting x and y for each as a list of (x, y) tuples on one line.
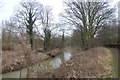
[(16, 60), (93, 63), (114, 62), (49, 64)]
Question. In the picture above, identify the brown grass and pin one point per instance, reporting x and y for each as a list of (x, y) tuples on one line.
[(16, 59), (86, 64), (6, 47)]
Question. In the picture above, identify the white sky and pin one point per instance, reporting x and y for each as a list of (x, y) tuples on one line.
[(9, 5)]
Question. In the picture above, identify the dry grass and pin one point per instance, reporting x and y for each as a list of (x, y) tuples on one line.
[(17, 59), (87, 64), (6, 47)]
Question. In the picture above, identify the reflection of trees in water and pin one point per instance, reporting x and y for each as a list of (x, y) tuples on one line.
[(67, 56), (56, 63), (51, 63), (62, 57)]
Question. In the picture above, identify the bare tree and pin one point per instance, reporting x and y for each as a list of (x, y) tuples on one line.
[(11, 33), (46, 18), (88, 18), (27, 15), (108, 34), (7, 34)]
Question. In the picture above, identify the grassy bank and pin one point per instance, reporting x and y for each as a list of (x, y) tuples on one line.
[(114, 62), (92, 63), (16, 60)]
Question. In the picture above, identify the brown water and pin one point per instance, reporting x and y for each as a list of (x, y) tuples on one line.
[(31, 72)]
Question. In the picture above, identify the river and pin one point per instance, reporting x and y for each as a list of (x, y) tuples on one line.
[(51, 63), (31, 72)]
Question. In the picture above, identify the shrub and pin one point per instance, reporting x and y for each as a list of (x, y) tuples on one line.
[(7, 46)]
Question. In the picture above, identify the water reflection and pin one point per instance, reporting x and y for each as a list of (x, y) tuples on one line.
[(56, 63), (51, 63), (67, 56)]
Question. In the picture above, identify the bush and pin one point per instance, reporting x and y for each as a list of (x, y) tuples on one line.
[(6, 47)]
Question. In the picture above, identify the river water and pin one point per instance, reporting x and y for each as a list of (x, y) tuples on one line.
[(32, 71), (51, 63)]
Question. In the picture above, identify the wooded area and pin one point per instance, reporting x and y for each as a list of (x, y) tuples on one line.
[(32, 30), (33, 25)]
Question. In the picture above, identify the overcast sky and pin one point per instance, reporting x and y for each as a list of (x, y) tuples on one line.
[(9, 5)]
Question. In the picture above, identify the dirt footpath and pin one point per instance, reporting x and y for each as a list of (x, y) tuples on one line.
[(93, 63)]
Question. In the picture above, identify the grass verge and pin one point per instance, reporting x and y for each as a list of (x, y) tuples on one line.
[(114, 63)]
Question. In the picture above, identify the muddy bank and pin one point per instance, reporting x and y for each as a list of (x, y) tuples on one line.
[(14, 60), (93, 63)]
